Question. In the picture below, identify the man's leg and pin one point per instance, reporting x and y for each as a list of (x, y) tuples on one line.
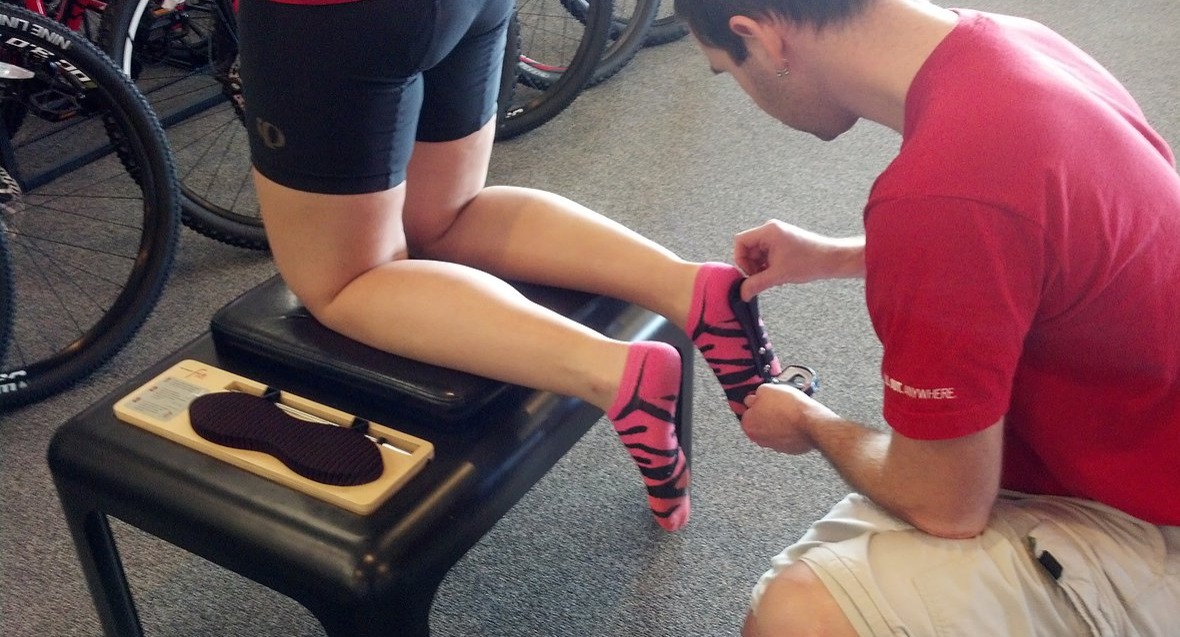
[(797, 604), (888, 578)]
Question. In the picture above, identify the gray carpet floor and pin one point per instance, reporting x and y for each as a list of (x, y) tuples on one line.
[(683, 157)]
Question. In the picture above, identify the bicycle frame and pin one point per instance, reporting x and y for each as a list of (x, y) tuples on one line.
[(69, 12)]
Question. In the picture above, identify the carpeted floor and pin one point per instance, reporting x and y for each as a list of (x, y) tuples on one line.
[(683, 157)]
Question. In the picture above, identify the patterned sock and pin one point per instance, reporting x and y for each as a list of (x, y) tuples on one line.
[(644, 417), (730, 333)]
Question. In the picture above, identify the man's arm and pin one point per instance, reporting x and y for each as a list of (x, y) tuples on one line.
[(943, 487)]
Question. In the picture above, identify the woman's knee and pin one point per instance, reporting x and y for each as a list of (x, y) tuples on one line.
[(430, 225)]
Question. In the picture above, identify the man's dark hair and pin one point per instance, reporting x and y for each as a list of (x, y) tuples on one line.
[(709, 19)]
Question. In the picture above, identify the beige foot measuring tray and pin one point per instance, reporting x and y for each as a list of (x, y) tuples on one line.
[(161, 407)]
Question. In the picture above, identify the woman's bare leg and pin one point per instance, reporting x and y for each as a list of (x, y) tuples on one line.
[(532, 235), (536, 236), (344, 257), (347, 258)]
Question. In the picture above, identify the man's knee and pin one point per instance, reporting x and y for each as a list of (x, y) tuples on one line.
[(797, 604)]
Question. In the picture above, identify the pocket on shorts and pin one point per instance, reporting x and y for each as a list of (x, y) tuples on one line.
[(973, 590), (1081, 577)]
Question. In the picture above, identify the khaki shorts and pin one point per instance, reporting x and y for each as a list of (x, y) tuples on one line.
[(1044, 566)]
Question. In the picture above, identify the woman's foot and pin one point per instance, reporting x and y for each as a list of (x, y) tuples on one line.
[(730, 334), (644, 416)]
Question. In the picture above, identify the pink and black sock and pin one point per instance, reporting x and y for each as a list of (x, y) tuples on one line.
[(644, 416), (730, 334)]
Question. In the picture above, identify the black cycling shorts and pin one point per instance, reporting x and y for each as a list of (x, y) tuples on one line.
[(336, 95)]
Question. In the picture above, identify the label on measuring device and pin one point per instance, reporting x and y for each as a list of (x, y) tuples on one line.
[(166, 399)]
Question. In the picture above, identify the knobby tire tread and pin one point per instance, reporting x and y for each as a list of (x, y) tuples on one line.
[(627, 36)]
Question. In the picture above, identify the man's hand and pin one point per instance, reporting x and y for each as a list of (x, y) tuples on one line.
[(779, 418), (776, 253)]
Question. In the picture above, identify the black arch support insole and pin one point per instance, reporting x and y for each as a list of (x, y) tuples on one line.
[(324, 453)]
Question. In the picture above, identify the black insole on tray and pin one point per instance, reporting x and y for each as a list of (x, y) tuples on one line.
[(322, 452)]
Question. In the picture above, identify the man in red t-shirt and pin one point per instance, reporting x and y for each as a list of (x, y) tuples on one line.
[(1018, 251)]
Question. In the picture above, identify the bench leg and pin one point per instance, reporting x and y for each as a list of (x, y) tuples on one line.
[(95, 545), (407, 616)]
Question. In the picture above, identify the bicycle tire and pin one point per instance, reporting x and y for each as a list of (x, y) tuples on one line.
[(665, 29), (10, 202), (5, 295), (184, 60), (629, 27), (92, 244), (556, 58), (508, 70)]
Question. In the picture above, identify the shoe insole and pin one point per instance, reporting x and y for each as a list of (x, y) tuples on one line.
[(325, 453)]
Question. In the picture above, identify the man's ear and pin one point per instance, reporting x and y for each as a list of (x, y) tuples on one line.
[(743, 26), (764, 33)]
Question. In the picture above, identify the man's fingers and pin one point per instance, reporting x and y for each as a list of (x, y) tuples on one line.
[(753, 286)]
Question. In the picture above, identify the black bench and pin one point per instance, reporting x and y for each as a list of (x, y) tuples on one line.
[(359, 575)]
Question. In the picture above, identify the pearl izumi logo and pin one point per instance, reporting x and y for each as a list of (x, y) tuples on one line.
[(939, 393), (271, 135)]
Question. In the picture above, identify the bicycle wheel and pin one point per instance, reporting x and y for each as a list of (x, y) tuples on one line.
[(556, 57), (92, 242), (11, 197), (183, 56), (5, 290), (664, 29), (631, 21)]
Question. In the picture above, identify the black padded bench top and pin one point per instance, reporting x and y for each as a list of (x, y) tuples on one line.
[(268, 325)]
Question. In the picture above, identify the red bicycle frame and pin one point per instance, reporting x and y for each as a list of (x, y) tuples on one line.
[(69, 12)]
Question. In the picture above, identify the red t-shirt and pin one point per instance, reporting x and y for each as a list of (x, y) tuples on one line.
[(1023, 260)]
